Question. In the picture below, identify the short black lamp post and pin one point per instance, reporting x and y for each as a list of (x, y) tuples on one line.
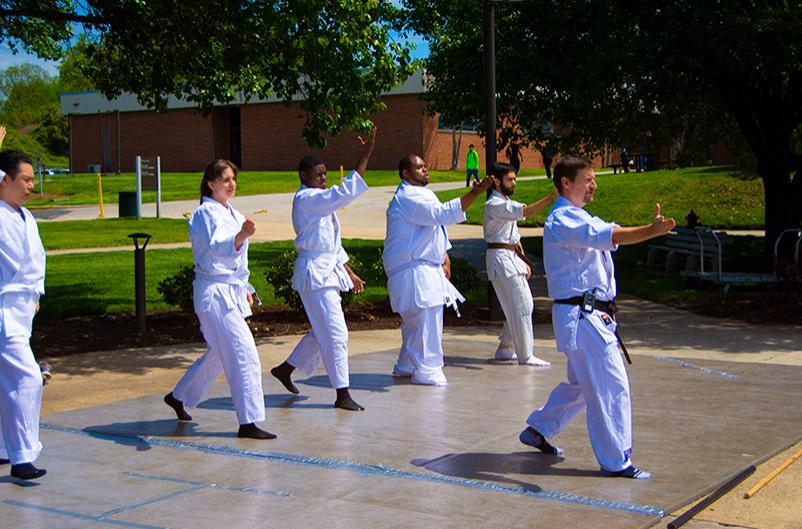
[(139, 278)]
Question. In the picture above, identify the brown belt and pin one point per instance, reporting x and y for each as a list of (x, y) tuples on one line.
[(517, 248)]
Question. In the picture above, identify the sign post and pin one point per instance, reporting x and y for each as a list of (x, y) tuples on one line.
[(148, 178)]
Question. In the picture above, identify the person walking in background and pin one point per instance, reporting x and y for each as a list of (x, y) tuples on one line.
[(22, 282), (515, 157), (471, 165), (223, 299)]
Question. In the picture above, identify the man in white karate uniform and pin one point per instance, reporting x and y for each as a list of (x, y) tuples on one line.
[(581, 280), (22, 281), (418, 268), (508, 268), (321, 273)]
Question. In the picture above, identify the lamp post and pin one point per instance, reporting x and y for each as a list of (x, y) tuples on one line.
[(488, 32)]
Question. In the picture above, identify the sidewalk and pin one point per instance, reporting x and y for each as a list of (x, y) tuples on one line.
[(104, 378)]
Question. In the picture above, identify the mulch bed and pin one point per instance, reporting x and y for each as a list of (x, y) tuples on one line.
[(59, 337)]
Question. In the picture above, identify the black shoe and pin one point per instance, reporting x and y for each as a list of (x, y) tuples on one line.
[(251, 431), (27, 471), (4, 461), (532, 437), (178, 407), (629, 472)]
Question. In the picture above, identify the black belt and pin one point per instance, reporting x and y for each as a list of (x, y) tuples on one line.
[(604, 306)]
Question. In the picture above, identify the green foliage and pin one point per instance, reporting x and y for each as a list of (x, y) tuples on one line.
[(53, 132), (610, 72), (340, 55), (28, 144), (723, 197), (177, 289), (463, 275), (279, 276)]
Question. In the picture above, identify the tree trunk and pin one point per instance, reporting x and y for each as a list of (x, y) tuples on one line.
[(783, 209)]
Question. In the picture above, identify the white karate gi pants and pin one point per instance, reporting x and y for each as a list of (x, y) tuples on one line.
[(515, 298), (421, 353), (598, 381), (20, 400), (328, 339), (232, 350)]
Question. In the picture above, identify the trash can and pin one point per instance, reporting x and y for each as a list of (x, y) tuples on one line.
[(127, 204)]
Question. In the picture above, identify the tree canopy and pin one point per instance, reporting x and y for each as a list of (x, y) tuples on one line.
[(338, 56), (630, 73)]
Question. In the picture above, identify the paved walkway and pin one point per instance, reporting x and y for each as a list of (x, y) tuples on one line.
[(710, 397)]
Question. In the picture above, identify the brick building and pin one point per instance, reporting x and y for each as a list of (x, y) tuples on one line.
[(262, 135)]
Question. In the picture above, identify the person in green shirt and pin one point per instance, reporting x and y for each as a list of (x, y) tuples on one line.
[(471, 165)]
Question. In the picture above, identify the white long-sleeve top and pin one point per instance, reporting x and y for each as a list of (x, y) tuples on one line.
[(22, 270), (321, 257), (415, 248), (577, 257), (500, 225), (219, 266)]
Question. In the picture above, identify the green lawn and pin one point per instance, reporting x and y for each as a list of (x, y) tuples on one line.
[(77, 189), (103, 282), (721, 197), (109, 232)]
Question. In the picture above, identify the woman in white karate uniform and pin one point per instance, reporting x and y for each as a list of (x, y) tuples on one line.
[(223, 299)]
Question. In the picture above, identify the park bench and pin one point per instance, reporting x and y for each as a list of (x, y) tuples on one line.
[(697, 245)]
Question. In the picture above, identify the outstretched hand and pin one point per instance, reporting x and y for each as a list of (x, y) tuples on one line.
[(660, 224), (484, 184), (367, 149)]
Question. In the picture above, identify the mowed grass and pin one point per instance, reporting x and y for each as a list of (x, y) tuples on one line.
[(110, 232), (76, 189), (722, 197), (103, 282)]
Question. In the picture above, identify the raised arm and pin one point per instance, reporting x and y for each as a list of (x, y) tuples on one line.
[(633, 235), (536, 207), (367, 149), (478, 188)]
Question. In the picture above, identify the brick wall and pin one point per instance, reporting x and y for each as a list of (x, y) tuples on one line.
[(271, 136), (182, 138)]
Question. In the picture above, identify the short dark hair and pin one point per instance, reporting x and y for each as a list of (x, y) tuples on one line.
[(569, 166), (405, 164), (501, 169), (212, 172), (470, 146), (11, 160), (308, 162)]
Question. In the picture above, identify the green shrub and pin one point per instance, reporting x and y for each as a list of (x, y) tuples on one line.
[(279, 275), (177, 289), (463, 275)]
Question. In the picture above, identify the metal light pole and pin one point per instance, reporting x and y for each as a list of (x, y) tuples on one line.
[(488, 32)]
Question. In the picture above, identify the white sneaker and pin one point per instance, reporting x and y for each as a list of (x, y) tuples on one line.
[(505, 354), (535, 361)]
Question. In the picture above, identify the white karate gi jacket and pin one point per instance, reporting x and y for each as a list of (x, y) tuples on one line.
[(320, 251), (576, 256), (219, 266), (415, 248), (22, 270), (500, 225)]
